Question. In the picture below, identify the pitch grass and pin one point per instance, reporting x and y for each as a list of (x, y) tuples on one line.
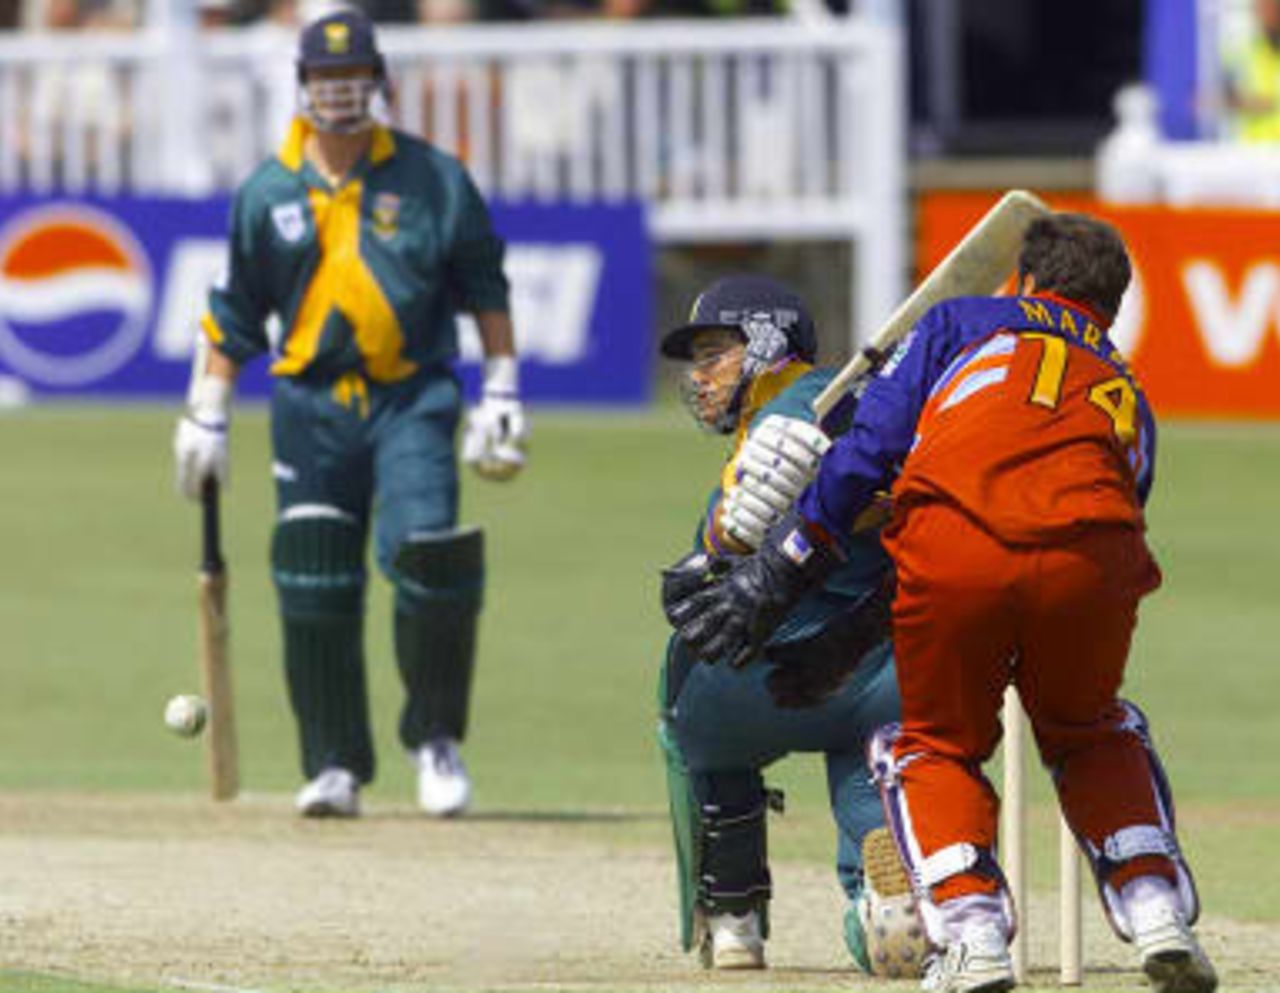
[(96, 604), (27, 982)]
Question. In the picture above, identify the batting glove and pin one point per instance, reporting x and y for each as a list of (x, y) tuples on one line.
[(777, 461), (200, 441), (497, 431)]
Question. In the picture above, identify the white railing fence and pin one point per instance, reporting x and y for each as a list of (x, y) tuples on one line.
[(728, 130)]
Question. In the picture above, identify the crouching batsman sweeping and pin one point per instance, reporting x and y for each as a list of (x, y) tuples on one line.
[(749, 346), (1022, 448)]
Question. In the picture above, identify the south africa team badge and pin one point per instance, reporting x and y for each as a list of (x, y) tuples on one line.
[(386, 215), (289, 220)]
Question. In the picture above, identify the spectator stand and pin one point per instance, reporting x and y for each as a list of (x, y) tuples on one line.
[(728, 129)]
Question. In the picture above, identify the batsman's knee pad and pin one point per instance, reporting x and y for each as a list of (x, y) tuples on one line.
[(926, 872), (439, 580), (1141, 840), (317, 563), (435, 567)]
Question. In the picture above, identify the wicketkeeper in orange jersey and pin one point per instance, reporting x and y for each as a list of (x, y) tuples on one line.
[(1020, 449)]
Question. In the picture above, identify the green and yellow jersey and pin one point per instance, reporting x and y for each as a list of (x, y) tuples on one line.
[(367, 276)]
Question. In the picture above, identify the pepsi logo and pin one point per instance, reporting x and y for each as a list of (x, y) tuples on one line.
[(75, 294)]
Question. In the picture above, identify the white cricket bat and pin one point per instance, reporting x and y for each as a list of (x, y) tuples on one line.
[(977, 266)]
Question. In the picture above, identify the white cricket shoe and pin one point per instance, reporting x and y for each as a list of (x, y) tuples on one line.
[(1171, 956), (333, 793), (444, 788), (978, 963), (734, 941)]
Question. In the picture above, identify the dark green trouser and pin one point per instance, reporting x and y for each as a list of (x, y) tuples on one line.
[(345, 454)]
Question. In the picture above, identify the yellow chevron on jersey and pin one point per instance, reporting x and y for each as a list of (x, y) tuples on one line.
[(342, 281)]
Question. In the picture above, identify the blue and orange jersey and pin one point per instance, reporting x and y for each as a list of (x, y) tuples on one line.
[(1018, 410), (366, 277)]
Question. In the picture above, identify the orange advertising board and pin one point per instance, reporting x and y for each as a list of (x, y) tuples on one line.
[(1201, 321)]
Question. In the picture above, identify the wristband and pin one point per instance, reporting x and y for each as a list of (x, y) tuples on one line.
[(502, 376), (211, 400)]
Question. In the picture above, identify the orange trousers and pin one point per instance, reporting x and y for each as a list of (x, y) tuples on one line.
[(972, 614)]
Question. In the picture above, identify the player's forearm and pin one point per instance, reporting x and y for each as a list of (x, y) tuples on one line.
[(845, 487), (219, 366), (497, 336), (213, 380)]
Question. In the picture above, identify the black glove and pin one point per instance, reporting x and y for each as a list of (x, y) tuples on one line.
[(811, 670), (732, 618), (692, 574)]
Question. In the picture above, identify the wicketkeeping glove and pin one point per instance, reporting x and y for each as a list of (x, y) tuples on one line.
[(496, 432), (200, 440), (732, 619), (779, 458), (691, 574)]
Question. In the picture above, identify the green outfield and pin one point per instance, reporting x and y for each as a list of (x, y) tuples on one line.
[(98, 614)]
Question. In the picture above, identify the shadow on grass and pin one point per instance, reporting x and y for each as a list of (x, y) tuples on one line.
[(531, 816)]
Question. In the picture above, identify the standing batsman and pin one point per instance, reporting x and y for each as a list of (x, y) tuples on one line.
[(1021, 449), (365, 242)]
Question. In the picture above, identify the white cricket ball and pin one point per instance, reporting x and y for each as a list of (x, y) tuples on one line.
[(185, 715)]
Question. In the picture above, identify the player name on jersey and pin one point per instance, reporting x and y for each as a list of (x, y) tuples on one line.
[(1200, 324)]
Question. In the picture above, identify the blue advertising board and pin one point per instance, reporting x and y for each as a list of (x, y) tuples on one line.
[(101, 297)]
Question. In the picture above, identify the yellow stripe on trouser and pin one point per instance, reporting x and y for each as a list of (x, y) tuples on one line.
[(342, 280)]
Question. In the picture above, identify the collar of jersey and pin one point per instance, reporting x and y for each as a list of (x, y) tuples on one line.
[(291, 152), (1062, 301)]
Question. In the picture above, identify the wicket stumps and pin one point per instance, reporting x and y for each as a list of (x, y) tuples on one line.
[(1013, 834)]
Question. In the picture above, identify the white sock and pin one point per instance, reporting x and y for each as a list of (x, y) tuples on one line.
[(966, 915), (1148, 897)]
